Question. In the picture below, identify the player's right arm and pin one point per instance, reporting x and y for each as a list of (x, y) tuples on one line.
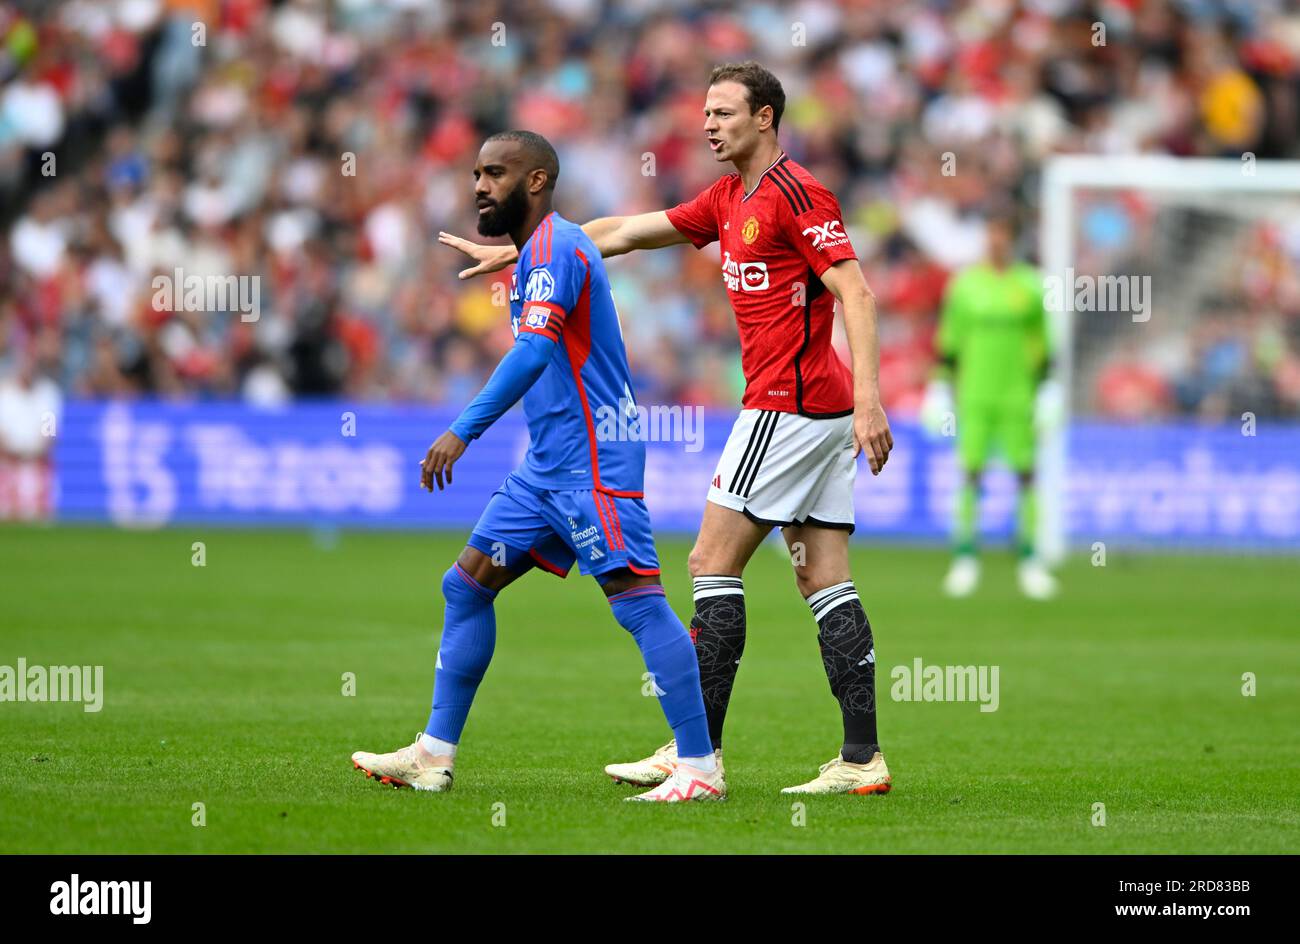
[(694, 221), (612, 235), (615, 235)]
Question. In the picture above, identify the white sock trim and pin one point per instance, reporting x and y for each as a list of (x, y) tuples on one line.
[(825, 600), (708, 763), (436, 746), (718, 587)]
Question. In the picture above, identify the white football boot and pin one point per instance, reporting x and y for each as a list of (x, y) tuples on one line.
[(963, 576), (839, 776), (408, 767), (653, 770), (687, 784), (1036, 581)]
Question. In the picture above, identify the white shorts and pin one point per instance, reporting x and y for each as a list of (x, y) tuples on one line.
[(783, 468)]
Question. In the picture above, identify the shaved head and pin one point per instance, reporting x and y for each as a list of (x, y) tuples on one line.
[(535, 151), (514, 179)]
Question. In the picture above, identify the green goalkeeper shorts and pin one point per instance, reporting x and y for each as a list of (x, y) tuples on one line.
[(1008, 427)]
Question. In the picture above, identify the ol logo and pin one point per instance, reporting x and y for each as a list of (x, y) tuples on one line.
[(540, 286), (749, 232), (537, 316)]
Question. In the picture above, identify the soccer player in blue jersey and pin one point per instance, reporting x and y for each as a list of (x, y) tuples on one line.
[(576, 497)]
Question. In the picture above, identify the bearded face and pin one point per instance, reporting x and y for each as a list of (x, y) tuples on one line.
[(499, 218)]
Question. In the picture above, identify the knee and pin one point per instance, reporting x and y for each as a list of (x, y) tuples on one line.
[(640, 608), (620, 581), (807, 583), (458, 586), (454, 588), (810, 580), (697, 562), (704, 563)]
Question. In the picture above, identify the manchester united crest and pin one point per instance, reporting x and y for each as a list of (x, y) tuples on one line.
[(749, 232)]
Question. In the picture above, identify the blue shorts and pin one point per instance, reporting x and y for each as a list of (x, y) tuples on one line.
[(555, 528)]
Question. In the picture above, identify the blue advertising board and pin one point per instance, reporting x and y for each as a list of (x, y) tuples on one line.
[(333, 463)]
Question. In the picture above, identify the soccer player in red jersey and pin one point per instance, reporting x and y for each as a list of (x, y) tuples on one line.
[(790, 461)]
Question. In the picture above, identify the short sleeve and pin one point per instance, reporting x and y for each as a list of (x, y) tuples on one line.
[(551, 291), (817, 228), (697, 219)]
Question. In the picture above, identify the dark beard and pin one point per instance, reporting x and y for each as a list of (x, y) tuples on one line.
[(506, 215)]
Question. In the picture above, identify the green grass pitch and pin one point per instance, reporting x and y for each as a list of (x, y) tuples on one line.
[(223, 686)]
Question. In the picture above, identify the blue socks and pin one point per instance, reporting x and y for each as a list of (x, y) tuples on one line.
[(670, 658), (469, 634)]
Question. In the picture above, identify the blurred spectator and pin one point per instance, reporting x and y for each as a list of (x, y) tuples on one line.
[(319, 146), (30, 407)]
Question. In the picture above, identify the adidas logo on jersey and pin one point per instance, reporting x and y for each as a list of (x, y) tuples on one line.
[(596, 553)]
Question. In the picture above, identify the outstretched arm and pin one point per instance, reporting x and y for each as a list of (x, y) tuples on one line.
[(613, 236), (870, 426), (518, 371)]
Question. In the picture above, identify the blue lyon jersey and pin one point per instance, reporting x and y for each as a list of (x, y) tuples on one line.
[(581, 413)]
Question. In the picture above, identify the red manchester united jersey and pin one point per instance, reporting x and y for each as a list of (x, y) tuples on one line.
[(776, 241)]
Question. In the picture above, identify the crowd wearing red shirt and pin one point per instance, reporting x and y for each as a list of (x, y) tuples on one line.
[(322, 145)]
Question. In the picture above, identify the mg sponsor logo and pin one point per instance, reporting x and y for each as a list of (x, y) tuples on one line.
[(540, 286)]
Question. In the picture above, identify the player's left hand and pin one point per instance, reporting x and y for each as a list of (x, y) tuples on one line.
[(871, 435), (439, 460)]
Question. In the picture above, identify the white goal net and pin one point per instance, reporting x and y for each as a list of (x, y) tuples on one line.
[(1174, 295)]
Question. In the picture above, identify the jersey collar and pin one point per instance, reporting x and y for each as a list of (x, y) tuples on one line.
[(779, 158), (532, 236)]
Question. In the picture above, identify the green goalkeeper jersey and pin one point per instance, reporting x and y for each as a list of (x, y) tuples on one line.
[(994, 325)]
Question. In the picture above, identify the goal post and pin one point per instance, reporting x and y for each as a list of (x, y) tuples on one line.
[(1194, 205)]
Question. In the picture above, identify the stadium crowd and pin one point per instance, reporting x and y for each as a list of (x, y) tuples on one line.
[(322, 145)]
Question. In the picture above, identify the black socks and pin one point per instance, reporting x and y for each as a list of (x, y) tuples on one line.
[(718, 631), (848, 655)]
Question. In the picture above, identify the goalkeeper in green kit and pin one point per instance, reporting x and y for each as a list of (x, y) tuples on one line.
[(994, 350)]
